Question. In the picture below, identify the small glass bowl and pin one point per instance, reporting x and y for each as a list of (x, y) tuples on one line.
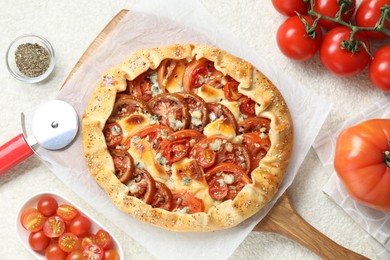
[(11, 63)]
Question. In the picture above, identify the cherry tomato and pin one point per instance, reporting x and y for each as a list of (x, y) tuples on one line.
[(255, 124), (198, 111), (340, 61), (231, 91), (145, 86), (80, 226), (294, 41), (366, 178), (47, 205), (75, 255), (102, 238), (142, 186), (32, 220), (38, 241), (54, 226), (248, 107), (113, 134), (69, 242), (126, 105), (67, 212), (93, 252), (111, 254), (171, 110), (90, 239), (368, 14), (206, 157), (163, 197), (175, 150), (379, 69), (226, 180), (200, 72), (123, 164), (217, 111), (186, 202), (290, 7), (54, 252), (257, 147), (330, 8)]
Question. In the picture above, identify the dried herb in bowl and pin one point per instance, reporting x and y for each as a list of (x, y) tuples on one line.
[(32, 59)]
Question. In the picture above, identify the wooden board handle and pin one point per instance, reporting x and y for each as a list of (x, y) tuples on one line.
[(284, 220)]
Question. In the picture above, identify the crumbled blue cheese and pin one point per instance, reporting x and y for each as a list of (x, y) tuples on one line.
[(135, 140), (133, 189), (140, 165), (228, 178), (192, 142), (216, 145), (238, 139), (184, 210), (196, 118), (229, 147), (155, 87), (161, 159), (186, 181), (115, 130), (175, 124), (212, 117), (221, 182)]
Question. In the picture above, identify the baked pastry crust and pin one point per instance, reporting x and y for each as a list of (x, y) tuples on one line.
[(266, 178)]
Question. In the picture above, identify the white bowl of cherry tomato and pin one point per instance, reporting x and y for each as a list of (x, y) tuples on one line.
[(52, 227)]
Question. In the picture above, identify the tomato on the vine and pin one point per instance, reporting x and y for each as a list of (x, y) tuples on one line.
[(295, 42), (379, 69), (290, 7), (330, 8), (335, 56), (368, 14)]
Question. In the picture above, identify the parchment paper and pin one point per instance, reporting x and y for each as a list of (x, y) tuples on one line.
[(376, 223), (153, 24)]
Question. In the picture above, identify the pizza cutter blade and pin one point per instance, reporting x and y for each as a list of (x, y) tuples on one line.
[(54, 126)]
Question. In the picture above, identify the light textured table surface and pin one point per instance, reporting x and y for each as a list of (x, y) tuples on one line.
[(72, 25)]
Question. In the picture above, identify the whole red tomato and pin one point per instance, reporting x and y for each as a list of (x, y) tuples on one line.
[(368, 14), (330, 8), (337, 59), (289, 7), (293, 40), (379, 69), (362, 162)]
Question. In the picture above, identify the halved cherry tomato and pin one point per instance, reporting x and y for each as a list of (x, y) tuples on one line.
[(206, 157), (102, 238), (186, 202), (234, 153), (38, 241), (192, 136), (142, 186), (47, 205), (32, 219), (87, 240), (67, 212), (171, 110), (80, 226), (231, 91), (126, 105), (198, 111), (174, 150), (200, 72), (255, 124), (227, 174), (248, 107), (217, 111), (124, 165), (113, 134), (154, 134), (111, 254), (75, 255), (54, 252), (145, 86), (93, 252), (69, 242), (54, 226), (163, 197), (257, 147)]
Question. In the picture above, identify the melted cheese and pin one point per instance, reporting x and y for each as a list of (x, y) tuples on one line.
[(233, 106), (133, 123), (220, 127), (144, 157), (187, 175), (174, 84), (210, 94)]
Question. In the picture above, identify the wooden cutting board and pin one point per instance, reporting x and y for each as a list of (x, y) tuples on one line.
[(282, 219)]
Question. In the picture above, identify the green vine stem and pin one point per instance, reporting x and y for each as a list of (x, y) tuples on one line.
[(352, 45)]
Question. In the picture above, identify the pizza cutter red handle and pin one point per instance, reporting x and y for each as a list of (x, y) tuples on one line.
[(14, 152)]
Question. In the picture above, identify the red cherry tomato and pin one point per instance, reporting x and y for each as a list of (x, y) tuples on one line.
[(69, 242), (231, 91), (289, 7), (38, 241), (379, 70), (93, 252), (185, 202), (54, 226), (75, 255), (113, 134), (67, 212), (54, 252), (330, 8), (294, 41), (248, 107), (87, 241), (80, 226), (340, 61), (368, 14), (102, 238), (32, 219), (47, 205), (111, 254)]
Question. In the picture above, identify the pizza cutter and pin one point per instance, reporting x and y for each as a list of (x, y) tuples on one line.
[(54, 126)]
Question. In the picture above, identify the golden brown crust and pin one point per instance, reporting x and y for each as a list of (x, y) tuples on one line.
[(266, 178)]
